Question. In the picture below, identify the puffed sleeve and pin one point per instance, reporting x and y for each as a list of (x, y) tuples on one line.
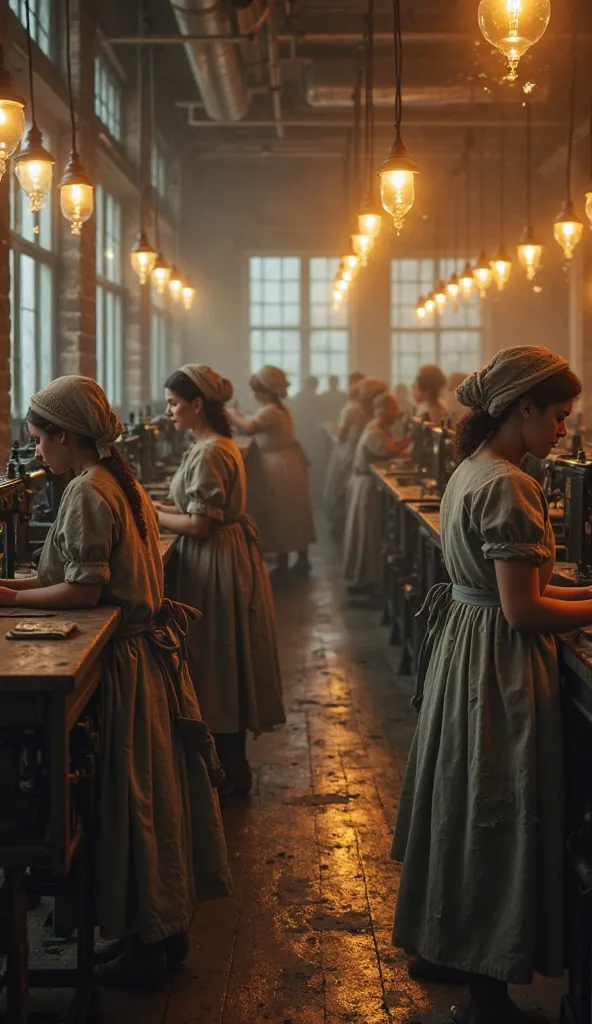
[(510, 513), (207, 484), (85, 536)]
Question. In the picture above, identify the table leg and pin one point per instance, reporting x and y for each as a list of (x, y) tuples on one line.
[(17, 986)]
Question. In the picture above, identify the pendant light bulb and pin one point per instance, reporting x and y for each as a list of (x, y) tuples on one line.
[(397, 183), (362, 246), (483, 275), (530, 253), (33, 168), (501, 269), (453, 287), (337, 299), (77, 194), (342, 286), (143, 258), (187, 295), (440, 296), (161, 274), (513, 26), (467, 281), (420, 308), (430, 304), (12, 119), (175, 285), (568, 229), (370, 224), (589, 207)]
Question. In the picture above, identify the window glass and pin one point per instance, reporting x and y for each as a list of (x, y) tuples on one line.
[(40, 11), (109, 295), (108, 94), (275, 314)]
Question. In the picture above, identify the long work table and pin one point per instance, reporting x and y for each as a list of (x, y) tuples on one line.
[(413, 564)]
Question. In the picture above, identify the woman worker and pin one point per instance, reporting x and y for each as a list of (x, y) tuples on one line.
[(479, 828), (161, 843), (235, 663), (427, 393), (362, 543), (279, 496)]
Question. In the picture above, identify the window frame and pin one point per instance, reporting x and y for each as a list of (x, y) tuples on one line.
[(109, 291), (105, 73), (19, 9)]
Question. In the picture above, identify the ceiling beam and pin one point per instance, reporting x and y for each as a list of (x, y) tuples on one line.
[(313, 38)]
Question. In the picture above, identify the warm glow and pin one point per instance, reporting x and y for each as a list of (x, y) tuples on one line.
[(483, 275), (175, 285), (143, 258), (77, 202), (513, 26), (568, 230), (589, 207), (352, 261), (337, 299), (161, 274), (187, 296), (453, 287), (362, 246), (501, 268), (35, 178), (467, 281), (440, 296), (420, 309), (12, 127), (430, 304), (530, 254), (397, 194), (342, 286), (370, 224)]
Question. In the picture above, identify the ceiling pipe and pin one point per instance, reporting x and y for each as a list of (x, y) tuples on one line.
[(216, 64), (308, 38), (318, 122)]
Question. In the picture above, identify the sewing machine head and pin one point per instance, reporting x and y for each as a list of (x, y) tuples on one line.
[(573, 476)]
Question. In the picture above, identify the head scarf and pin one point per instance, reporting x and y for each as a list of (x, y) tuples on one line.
[(213, 387), (510, 374), (370, 388), (383, 401), (79, 404), (273, 380)]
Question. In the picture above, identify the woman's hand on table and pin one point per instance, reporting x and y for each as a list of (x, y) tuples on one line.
[(7, 597)]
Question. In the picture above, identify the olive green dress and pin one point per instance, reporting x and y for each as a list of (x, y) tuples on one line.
[(362, 540), (235, 662), (479, 829), (161, 840)]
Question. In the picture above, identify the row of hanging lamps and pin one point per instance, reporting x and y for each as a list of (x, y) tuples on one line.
[(513, 26), (142, 254), (530, 251), (568, 227), (466, 280), (482, 269), (501, 266), (397, 174), (369, 218), (34, 164), (77, 192), (161, 271), (361, 244), (453, 285), (589, 194)]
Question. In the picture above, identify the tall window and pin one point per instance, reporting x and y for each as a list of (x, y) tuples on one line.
[(275, 314), (31, 297), (107, 97), (109, 296), (292, 322), (163, 347), (158, 170), (329, 336), (451, 339), (40, 20)]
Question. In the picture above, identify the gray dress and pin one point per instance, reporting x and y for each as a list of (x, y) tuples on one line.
[(362, 540), (161, 840), (234, 662), (479, 829), (352, 420)]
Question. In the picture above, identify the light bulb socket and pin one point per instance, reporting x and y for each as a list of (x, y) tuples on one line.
[(567, 214), (33, 149), (502, 255), (161, 263), (8, 93), (142, 244), (528, 236), (398, 159), (74, 172)]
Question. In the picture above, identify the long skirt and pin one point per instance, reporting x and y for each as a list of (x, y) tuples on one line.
[(279, 499), (362, 541)]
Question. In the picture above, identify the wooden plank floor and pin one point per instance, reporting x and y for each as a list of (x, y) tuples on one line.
[(305, 938)]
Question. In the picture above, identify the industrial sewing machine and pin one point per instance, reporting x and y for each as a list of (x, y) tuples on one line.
[(443, 461), (572, 477), (20, 488)]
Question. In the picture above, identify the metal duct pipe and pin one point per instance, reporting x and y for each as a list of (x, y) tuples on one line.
[(217, 66), (323, 94)]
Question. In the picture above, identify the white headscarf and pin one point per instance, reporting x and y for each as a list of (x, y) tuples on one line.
[(79, 404)]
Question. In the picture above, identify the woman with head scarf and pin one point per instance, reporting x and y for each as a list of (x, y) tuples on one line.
[(362, 541), (279, 494), (221, 571), (427, 393), (479, 828), (355, 415), (161, 842)]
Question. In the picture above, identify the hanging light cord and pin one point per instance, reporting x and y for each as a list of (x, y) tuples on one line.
[(455, 226), (356, 133), (152, 133), (369, 99), (69, 71), (398, 52), (468, 195), (30, 59), (572, 112), (528, 167), (502, 181), (482, 189)]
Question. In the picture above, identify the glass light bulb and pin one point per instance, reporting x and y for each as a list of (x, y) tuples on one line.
[(530, 254), (467, 281), (430, 304), (513, 26), (187, 296), (370, 224), (589, 207), (397, 194), (77, 203), (568, 230), (453, 287), (337, 299), (362, 246), (342, 286), (12, 128), (352, 261), (161, 275), (420, 308), (440, 296), (175, 285), (143, 258), (501, 269), (35, 178), (483, 275)]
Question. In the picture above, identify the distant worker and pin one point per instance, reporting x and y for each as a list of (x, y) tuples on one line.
[(333, 401), (427, 393)]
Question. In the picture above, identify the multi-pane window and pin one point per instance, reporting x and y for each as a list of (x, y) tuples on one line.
[(109, 296), (107, 97), (31, 298), (275, 314), (292, 322), (158, 170), (452, 339), (40, 11), (329, 336)]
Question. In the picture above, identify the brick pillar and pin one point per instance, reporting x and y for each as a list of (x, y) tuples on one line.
[(76, 350), (5, 432), (580, 316)]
